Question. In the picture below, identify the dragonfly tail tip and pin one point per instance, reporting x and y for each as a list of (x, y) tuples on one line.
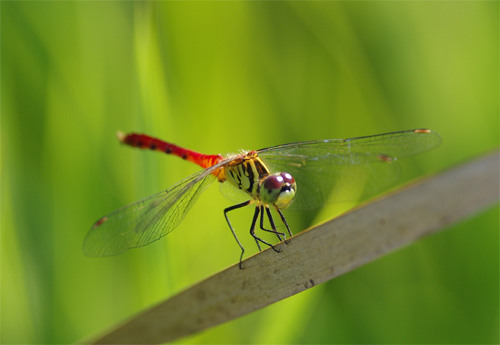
[(120, 135)]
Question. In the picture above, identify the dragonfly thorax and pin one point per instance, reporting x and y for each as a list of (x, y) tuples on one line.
[(250, 174), (278, 189), (245, 172)]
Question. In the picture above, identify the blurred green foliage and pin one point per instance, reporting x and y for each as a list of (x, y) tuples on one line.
[(216, 77)]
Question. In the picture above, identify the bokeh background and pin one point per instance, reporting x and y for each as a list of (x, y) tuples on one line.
[(218, 77)]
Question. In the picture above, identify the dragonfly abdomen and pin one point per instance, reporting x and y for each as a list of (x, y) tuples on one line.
[(146, 142)]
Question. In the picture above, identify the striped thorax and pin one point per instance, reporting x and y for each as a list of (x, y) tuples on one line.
[(249, 173), (245, 173)]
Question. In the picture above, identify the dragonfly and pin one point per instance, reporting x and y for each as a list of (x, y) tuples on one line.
[(296, 176)]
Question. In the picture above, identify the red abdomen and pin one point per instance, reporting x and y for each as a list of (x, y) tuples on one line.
[(146, 142)]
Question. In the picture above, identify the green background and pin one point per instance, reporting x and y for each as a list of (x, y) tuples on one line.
[(218, 77)]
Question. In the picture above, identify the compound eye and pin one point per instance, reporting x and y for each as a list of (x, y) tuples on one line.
[(287, 178), (278, 190), (274, 182)]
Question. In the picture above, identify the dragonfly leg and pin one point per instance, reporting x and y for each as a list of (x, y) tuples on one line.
[(243, 204), (252, 230), (257, 210), (284, 222), (271, 221), (273, 225)]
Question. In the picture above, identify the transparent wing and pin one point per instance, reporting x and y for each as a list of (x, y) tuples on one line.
[(148, 220), (346, 169), (232, 193)]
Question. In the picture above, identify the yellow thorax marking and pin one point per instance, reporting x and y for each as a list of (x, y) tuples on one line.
[(245, 172)]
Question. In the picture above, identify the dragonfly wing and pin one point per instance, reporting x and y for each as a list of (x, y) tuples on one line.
[(232, 193), (342, 176), (396, 144), (346, 169), (148, 220)]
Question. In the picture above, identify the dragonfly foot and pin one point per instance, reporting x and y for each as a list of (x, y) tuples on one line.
[(276, 250), (241, 256)]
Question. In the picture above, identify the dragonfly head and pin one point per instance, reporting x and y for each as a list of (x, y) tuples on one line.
[(278, 190)]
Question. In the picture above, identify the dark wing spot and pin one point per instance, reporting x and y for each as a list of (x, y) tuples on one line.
[(385, 158), (99, 222), (422, 130)]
